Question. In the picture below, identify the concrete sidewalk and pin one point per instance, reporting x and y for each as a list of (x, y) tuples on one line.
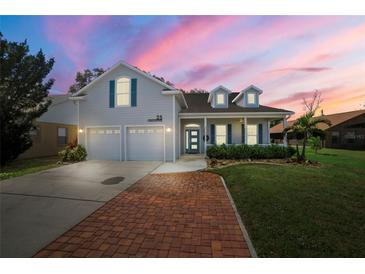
[(186, 163)]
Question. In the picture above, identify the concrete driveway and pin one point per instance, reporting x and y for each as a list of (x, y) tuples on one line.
[(37, 208)]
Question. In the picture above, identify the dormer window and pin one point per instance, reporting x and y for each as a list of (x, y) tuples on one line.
[(251, 98), (123, 93), (220, 99)]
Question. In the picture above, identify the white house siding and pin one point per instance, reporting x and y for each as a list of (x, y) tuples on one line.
[(236, 129), (95, 111), (61, 111)]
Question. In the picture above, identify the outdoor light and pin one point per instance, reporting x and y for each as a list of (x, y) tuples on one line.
[(168, 129), (81, 130)]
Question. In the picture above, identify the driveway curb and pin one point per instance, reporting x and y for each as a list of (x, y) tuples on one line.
[(240, 222)]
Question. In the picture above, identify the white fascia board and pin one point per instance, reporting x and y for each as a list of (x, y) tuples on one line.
[(236, 115), (76, 98), (176, 92), (260, 91), (122, 63)]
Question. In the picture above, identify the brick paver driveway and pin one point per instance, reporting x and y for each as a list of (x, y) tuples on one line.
[(162, 215)]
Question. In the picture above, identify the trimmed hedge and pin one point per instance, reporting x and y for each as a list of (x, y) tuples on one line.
[(238, 152)]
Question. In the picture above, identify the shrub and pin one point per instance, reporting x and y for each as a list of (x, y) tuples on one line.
[(237, 152), (73, 153)]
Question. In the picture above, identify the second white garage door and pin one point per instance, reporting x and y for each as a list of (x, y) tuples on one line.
[(145, 143)]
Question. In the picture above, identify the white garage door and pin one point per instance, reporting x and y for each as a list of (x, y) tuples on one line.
[(145, 143), (103, 143)]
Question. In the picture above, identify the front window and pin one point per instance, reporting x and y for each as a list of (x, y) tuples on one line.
[(251, 98), (220, 134), (220, 99), (123, 92), (335, 137), (62, 136), (251, 134)]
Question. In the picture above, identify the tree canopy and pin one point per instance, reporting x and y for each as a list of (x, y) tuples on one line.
[(84, 78), (23, 95)]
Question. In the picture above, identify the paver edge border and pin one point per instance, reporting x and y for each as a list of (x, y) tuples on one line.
[(240, 222)]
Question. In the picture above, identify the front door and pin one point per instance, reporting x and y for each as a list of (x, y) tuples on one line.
[(192, 141)]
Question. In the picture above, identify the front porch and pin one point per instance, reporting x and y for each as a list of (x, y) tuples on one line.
[(197, 133)]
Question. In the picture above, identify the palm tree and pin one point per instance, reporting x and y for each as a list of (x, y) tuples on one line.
[(305, 126)]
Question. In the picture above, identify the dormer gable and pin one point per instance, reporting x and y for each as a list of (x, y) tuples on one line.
[(218, 97), (249, 97)]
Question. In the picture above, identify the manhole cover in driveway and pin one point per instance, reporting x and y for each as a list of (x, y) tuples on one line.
[(112, 181)]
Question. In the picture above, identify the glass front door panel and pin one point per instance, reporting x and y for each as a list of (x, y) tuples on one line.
[(192, 141)]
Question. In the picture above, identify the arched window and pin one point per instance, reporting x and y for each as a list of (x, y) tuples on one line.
[(123, 92)]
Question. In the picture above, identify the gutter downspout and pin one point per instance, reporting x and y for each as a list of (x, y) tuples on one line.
[(174, 128)]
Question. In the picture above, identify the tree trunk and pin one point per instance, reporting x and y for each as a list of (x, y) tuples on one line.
[(303, 149)]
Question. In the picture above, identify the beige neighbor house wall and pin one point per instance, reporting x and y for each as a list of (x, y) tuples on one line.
[(62, 113), (45, 140)]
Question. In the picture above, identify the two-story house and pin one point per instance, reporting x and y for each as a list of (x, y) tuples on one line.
[(127, 114)]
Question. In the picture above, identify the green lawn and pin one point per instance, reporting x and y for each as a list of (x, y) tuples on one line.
[(22, 167), (301, 211)]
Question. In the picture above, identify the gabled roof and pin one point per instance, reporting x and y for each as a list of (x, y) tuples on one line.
[(167, 87), (246, 89), (215, 89), (335, 120), (197, 103), (135, 69)]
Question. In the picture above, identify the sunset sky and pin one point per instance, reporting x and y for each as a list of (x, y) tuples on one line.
[(286, 56)]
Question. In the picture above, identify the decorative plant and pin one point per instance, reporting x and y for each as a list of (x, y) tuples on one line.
[(315, 143), (306, 125), (73, 153)]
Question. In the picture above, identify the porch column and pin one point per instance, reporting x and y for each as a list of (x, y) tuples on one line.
[(245, 121), (285, 125), (205, 136), (268, 132)]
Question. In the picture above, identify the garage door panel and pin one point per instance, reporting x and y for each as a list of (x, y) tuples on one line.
[(103, 143), (145, 143)]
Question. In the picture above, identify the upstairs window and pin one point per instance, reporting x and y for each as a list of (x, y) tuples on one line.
[(123, 93), (219, 99), (221, 134), (251, 98)]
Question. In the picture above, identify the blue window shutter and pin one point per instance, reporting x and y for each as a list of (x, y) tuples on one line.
[(260, 133), (229, 129), (212, 134), (134, 92), (243, 133), (111, 93)]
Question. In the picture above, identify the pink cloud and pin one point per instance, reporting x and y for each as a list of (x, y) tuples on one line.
[(325, 50), (176, 43), (71, 33), (304, 69)]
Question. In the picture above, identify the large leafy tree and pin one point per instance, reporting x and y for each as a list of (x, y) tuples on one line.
[(23, 95), (306, 126), (84, 78)]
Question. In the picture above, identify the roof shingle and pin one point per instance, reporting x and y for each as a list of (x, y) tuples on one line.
[(198, 103)]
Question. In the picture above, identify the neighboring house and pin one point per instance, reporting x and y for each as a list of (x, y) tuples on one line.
[(127, 114), (347, 130), (54, 129)]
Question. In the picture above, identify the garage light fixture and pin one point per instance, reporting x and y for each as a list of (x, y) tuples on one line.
[(168, 129)]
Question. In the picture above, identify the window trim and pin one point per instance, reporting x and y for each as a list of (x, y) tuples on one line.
[(255, 96), (216, 98), (66, 136), (116, 92), (257, 134), (226, 135)]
